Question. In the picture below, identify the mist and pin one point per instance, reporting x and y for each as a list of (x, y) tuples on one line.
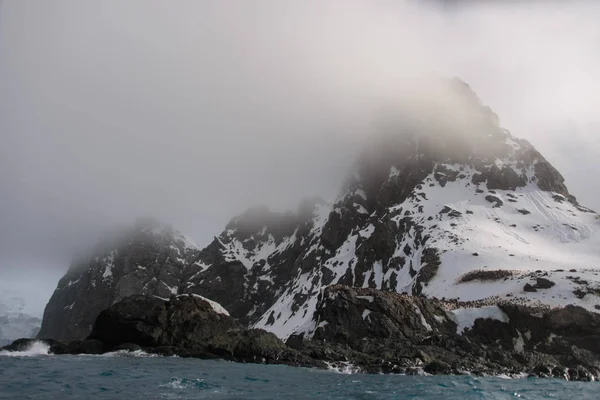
[(193, 111)]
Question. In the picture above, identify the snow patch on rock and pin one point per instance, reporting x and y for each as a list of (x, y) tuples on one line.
[(465, 317), (219, 309)]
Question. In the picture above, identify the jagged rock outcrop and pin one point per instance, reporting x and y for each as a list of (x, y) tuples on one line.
[(351, 316), (441, 181), (259, 252), (364, 330), (149, 258), (381, 331), (183, 321), (183, 325)]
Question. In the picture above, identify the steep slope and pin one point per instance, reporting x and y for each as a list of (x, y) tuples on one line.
[(442, 202), (452, 206), (258, 257), (148, 258)]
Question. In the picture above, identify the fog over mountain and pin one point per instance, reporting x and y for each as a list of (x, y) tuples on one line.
[(193, 111)]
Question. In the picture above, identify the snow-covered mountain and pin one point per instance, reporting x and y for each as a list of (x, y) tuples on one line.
[(442, 202), (16, 320)]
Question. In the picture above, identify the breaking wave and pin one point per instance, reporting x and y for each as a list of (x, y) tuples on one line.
[(37, 348), (183, 385), (343, 368), (123, 353), (178, 383), (127, 353)]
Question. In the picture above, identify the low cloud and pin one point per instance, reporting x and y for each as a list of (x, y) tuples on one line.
[(192, 111)]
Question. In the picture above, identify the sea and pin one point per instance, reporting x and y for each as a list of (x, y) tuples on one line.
[(35, 374)]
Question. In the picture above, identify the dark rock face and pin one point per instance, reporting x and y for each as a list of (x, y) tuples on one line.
[(88, 346), (354, 315), (148, 258), (188, 326), (258, 346), (430, 263), (185, 325), (387, 332), (183, 321)]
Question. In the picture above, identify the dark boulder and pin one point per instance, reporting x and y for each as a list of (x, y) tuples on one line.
[(88, 346), (437, 367), (183, 321), (495, 200), (187, 326), (543, 283), (573, 320), (529, 288)]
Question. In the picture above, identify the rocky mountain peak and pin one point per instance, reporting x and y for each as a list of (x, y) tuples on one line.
[(146, 258), (260, 221), (147, 223), (452, 136)]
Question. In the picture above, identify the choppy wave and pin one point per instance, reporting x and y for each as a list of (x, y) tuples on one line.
[(37, 348), (40, 348), (343, 368), (127, 353), (183, 378), (178, 386), (123, 353), (182, 383)]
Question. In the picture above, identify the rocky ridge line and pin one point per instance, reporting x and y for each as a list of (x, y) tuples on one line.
[(366, 330)]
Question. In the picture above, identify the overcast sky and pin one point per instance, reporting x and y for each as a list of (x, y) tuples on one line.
[(191, 111)]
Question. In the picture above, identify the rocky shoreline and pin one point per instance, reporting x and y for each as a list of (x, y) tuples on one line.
[(366, 330)]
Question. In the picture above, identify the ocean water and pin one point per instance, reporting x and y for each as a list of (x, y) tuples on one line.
[(36, 375)]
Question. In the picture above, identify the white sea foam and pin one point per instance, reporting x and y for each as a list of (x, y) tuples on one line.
[(37, 348), (343, 368), (127, 353), (178, 383), (124, 353)]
